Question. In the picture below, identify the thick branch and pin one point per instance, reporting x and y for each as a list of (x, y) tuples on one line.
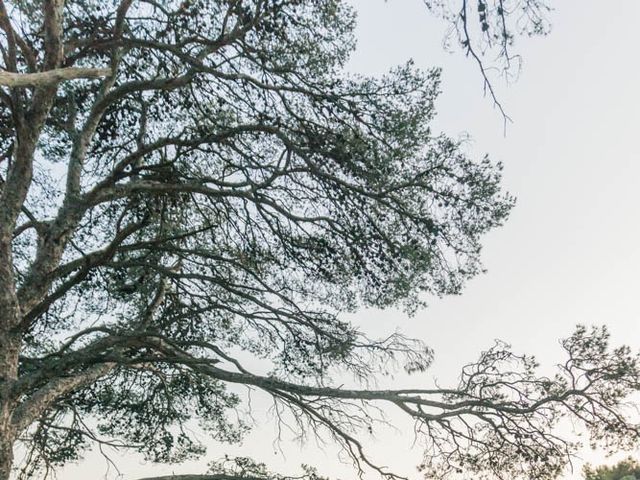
[(27, 412), (50, 77)]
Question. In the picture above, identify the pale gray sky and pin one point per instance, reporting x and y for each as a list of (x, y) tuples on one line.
[(570, 253)]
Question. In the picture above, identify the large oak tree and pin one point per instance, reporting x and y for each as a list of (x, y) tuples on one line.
[(189, 183)]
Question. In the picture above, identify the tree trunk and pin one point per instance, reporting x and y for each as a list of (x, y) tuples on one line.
[(8, 371), (9, 353), (7, 434), (6, 453)]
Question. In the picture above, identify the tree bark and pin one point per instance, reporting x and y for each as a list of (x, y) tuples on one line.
[(10, 344), (50, 77), (6, 442), (9, 351)]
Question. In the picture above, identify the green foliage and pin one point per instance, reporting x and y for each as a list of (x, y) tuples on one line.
[(627, 469), (229, 192), (238, 191), (244, 467)]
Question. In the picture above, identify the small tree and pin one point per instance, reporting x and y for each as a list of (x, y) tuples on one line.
[(627, 469), (186, 183)]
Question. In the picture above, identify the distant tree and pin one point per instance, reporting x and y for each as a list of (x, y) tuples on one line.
[(186, 184), (627, 469)]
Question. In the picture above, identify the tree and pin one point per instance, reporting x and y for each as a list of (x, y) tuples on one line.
[(227, 190), (627, 469)]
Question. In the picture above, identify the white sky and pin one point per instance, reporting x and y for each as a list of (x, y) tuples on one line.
[(570, 253)]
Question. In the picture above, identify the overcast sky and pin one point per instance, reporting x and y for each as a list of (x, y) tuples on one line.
[(570, 253)]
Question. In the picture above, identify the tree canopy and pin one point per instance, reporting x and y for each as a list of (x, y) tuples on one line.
[(627, 469), (188, 183)]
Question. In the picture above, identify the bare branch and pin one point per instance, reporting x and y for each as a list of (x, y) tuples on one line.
[(50, 77)]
